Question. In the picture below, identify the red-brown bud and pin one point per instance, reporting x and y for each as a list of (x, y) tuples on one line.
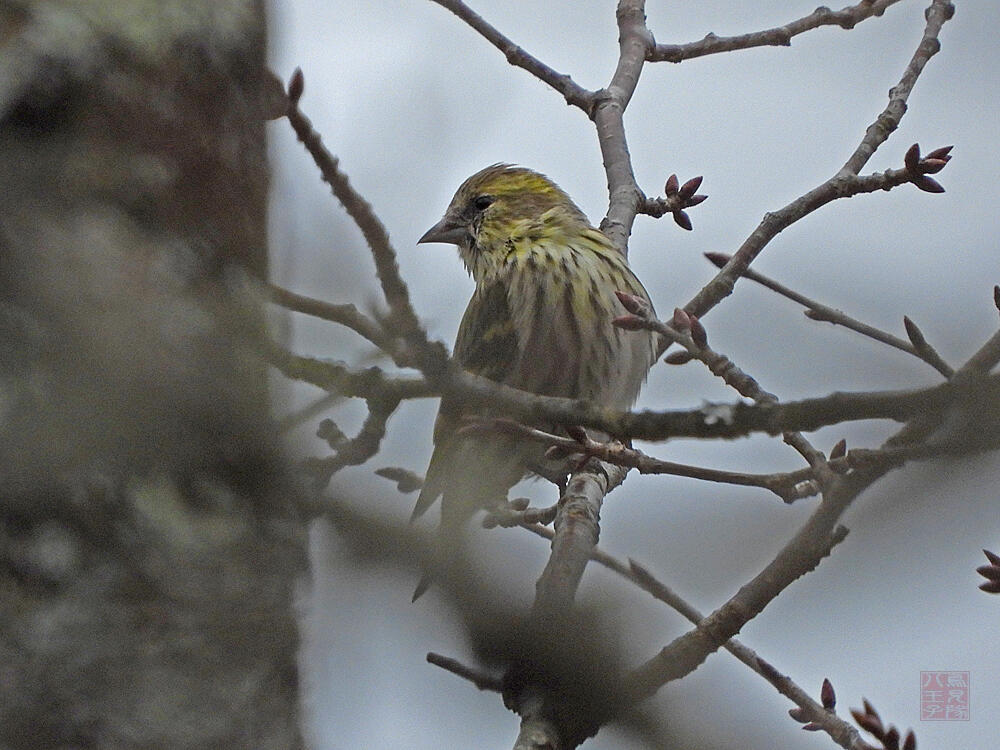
[(990, 587), (912, 158), (682, 220), (928, 184), (992, 557), (629, 322), (296, 85), (718, 259), (940, 153), (577, 433), (827, 695), (633, 304), (670, 188), (698, 332), (910, 743), (989, 571), (681, 321), (812, 726), (694, 200), (690, 187), (932, 166)]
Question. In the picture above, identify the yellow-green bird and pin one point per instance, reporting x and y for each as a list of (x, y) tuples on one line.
[(540, 320)]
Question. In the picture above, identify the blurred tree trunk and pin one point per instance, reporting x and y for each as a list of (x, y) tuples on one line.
[(149, 547)]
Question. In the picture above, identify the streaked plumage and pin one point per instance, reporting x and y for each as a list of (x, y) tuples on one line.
[(539, 320)]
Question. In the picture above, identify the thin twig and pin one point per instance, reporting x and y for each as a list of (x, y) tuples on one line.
[(788, 486), (779, 36), (336, 377), (297, 418), (479, 679), (352, 451), (346, 315), (820, 312), (574, 94), (432, 358), (737, 379), (843, 734), (844, 184)]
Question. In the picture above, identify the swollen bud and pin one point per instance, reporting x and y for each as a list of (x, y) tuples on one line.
[(698, 332), (718, 259), (682, 220), (690, 187), (629, 322), (827, 695), (839, 450), (928, 184), (633, 304), (679, 357), (296, 85), (915, 335), (940, 153), (681, 320)]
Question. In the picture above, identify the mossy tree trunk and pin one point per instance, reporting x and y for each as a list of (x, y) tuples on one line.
[(149, 544)]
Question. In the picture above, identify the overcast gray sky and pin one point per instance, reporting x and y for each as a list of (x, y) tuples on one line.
[(413, 101)]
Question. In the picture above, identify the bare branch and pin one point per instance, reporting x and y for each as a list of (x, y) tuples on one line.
[(879, 131), (574, 94), (788, 486), (803, 553), (576, 534), (346, 315), (779, 36), (352, 451), (625, 196), (843, 733), (432, 358), (843, 184), (820, 312), (709, 421), (336, 377)]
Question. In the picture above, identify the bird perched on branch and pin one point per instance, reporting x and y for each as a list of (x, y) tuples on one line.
[(540, 320)]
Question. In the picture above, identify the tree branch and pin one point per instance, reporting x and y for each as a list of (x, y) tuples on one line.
[(820, 312), (573, 93), (844, 184), (779, 36)]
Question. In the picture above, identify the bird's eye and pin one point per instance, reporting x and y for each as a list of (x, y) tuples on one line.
[(482, 202)]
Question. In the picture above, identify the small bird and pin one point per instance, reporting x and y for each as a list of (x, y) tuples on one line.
[(539, 320)]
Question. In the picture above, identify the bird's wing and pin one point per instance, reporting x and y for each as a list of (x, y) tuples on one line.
[(487, 345)]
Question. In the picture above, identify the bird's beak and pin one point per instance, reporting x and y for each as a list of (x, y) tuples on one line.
[(446, 231)]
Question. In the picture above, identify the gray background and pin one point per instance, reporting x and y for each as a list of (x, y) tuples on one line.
[(413, 101)]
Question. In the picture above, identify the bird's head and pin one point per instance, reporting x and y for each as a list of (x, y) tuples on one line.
[(496, 204)]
